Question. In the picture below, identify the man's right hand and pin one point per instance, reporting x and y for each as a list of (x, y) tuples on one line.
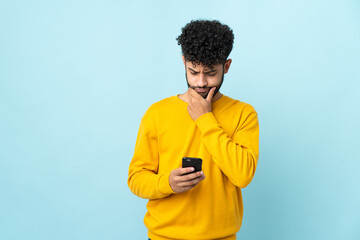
[(182, 183)]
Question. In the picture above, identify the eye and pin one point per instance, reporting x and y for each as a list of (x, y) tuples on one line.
[(193, 73), (211, 74)]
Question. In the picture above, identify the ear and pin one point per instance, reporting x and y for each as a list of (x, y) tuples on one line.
[(227, 65), (183, 58)]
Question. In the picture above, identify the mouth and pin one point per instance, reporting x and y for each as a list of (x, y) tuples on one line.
[(201, 90)]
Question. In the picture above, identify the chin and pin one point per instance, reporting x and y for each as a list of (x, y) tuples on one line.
[(204, 95)]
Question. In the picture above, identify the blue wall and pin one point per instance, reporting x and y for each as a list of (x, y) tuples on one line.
[(76, 77)]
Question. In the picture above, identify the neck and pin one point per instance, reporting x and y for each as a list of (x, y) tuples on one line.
[(216, 97)]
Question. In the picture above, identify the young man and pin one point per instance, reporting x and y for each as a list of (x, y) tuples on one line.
[(201, 123)]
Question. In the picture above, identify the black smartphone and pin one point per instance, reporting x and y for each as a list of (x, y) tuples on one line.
[(196, 163)]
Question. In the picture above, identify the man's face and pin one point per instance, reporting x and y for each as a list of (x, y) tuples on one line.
[(202, 79)]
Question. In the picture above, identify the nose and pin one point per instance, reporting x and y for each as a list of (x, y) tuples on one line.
[(202, 80)]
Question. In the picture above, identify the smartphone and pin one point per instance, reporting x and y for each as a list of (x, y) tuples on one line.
[(196, 163)]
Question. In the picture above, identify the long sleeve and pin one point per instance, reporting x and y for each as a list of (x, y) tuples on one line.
[(143, 179), (227, 141), (236, 155)]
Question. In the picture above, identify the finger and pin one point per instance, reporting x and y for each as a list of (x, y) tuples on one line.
[(210, 94), (191, 176), (182, 171), (191, 90), (190, 94), (192, 183), (193, 93)]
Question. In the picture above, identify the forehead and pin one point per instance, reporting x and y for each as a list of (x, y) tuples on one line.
[(196, 66)]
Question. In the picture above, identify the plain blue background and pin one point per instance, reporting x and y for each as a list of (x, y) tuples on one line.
[(76, 77)]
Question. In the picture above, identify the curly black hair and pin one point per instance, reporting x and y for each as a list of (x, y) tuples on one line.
[(206, 42)]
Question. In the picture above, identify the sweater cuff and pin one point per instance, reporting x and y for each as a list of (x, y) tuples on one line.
[(164, 185), (206, 122)]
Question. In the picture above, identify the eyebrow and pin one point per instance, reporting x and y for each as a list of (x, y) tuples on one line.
[(204, 72)]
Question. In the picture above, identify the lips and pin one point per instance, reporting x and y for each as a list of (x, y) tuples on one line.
[(201, 90)]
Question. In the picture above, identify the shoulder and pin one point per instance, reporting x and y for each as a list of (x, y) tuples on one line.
[(238, 106), (158, 107), (242, 113)]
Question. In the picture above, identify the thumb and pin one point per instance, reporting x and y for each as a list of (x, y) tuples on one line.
[(211, 94)]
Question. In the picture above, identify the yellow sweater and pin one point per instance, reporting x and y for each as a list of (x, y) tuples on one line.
[(226, 139)]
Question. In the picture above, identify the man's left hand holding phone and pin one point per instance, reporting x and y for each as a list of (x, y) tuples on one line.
[(184, 178)]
